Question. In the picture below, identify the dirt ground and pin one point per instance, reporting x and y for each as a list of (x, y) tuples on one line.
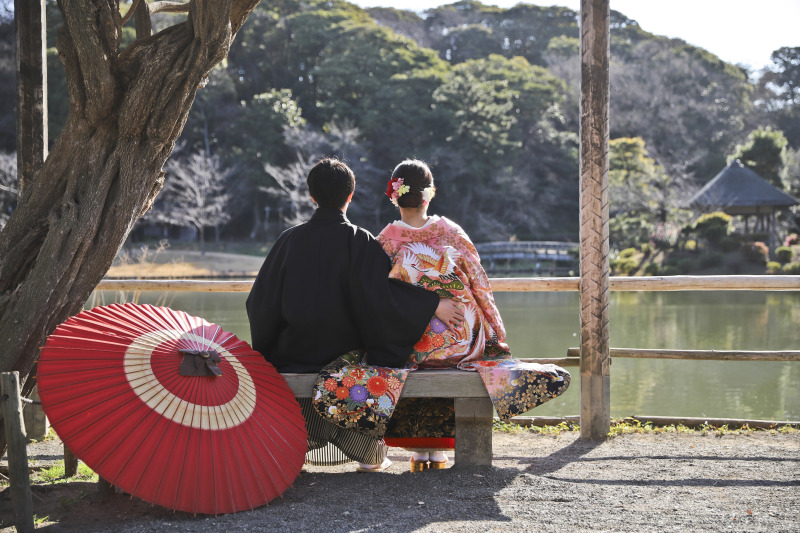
[(635, 482)]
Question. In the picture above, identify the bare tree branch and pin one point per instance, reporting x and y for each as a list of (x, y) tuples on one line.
[(169, 7), (130, 12), (194, 195), (8, 191), (292, 188)]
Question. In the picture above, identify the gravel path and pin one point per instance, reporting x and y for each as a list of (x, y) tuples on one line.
[(635, 482)]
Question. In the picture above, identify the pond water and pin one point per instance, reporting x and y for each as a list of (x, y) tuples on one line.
[(545, 324)]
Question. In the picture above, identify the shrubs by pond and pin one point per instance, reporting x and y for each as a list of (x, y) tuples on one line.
[(669, 270), (677, 265), (784, 254), (707, 246), (755, 252), (711, 259), (651, 269), (713, 227), (792, 269), (626, 261), (729, 244), (665, 236)]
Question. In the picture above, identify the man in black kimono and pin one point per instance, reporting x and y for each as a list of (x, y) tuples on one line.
[(324, 290)]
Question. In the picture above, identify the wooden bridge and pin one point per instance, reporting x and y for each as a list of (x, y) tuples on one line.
[(553, 258), (532, 250)]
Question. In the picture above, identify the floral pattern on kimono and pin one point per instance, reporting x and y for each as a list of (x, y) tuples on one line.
[(441, 258), (357, 396), (516, 387)]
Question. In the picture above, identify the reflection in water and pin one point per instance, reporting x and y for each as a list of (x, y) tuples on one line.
[(545, 324)]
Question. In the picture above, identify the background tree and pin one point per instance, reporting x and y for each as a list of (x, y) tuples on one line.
[(785, 74), (342, 142), (8, 185), (212, 110), (779, 93), (252, 135), (8, 90), (291, 187), (472, 41), (636, 182), (194, 195), (127, 108), (686, 104), (790, 175), (641, 193), (763, 153)]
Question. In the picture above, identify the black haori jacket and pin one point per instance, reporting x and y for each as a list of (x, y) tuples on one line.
[(324, 290)]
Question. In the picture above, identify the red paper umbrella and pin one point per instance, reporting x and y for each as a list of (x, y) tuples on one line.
[(113, 383)]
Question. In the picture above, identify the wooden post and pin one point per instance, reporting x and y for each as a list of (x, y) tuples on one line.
[(594, 277), (70, 463), (36, 424), (473, 431), (17, 452), (29, 17), (104, 488)]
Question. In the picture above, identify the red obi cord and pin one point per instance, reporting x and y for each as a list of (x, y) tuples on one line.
[(432, 443)]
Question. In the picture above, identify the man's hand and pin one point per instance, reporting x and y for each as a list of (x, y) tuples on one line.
[(450, 313)]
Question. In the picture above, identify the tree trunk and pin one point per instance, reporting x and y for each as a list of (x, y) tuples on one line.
[(256, 221), (202, 236), (126, 111)]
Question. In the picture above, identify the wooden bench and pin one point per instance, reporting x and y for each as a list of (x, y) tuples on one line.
[(473, 407)]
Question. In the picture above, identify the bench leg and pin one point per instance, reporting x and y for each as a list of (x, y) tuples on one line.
[(104, 488), (473, 431)]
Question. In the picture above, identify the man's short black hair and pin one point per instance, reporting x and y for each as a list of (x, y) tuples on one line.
[(331, 182)]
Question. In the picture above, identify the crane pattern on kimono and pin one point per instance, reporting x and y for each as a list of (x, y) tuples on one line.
[(419, 259)]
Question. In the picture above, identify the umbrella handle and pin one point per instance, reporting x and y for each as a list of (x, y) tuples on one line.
[(200, 363)]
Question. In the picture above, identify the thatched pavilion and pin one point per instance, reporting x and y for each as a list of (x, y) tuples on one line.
[(738, 191)]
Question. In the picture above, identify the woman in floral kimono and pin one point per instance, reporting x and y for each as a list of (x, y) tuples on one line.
[(435, 253)]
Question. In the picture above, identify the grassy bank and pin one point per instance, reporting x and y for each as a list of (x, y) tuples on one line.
[(185, 260)]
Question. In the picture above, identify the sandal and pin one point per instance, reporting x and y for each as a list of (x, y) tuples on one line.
[(418, 466), (438, 460), (362, 467), (438, 465)]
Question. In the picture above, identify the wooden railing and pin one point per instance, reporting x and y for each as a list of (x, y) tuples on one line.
[(694, 355), (654, 283)]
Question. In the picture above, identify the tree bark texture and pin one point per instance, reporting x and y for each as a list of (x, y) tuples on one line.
[(594, 278), (127, 108), (31, 88)]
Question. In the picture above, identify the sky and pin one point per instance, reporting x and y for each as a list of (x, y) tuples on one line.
[(742, 32)]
